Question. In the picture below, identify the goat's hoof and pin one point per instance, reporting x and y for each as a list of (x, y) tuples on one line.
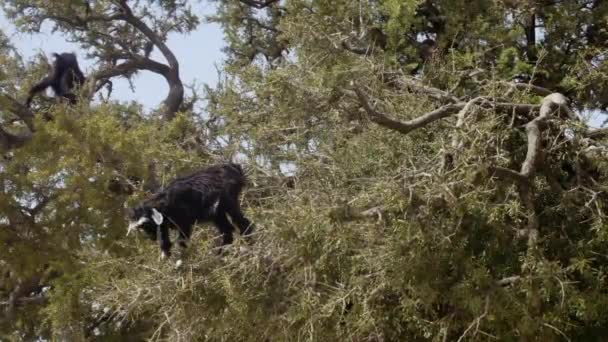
[(179, 263), (163, 255)]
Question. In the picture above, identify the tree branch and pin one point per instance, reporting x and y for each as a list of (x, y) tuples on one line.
[(401, 82), (550, 104), (260, 24), (356, 50), (508, 281), (10, 141), (505, 173), (528, 87), (597, 133), (19, 110), (174, 99), (258, 3), (405, 127)]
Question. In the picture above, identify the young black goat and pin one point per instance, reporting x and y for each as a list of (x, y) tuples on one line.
[(63, 78), (210, 194)]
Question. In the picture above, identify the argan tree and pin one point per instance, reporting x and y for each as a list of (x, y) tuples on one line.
[(419, 170)]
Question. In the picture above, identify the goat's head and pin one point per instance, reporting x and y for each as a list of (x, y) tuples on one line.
[(147, 219)]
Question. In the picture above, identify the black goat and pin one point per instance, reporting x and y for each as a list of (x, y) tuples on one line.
[(210, 194), (63, 78)]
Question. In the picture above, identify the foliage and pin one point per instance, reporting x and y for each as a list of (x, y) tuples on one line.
[(397, 195)]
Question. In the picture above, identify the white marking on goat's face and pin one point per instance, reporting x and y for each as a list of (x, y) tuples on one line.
[(157, 217), (135, 225)]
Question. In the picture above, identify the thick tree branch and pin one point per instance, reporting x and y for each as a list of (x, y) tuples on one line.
[(528, 87), (401, 82), (508, 281), (534, 128), (505, 173), (175, 96), (405, 127), (550, 104), (78, 22), (174, 99), (132, 65), (597, 133)]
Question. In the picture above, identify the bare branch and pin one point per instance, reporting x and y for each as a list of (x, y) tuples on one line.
[(134, 64), (174, 99), (508, 281), (477, 321), (528, 87), (519, 109), (549, 105), (405, 127), (401, 82), (504, 173), (81, 23), (597, 133)]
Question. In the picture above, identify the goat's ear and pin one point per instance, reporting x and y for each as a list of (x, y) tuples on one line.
[(157, 217)]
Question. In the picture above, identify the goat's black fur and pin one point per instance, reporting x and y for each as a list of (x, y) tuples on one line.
[(63, 78), (211, 194)]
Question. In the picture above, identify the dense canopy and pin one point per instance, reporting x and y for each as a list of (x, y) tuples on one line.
[(418, 170)]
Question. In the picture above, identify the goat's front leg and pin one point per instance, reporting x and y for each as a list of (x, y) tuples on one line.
[(165, 242), (224, 226)]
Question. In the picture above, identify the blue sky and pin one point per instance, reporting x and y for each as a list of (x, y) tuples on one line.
[(198, 53)]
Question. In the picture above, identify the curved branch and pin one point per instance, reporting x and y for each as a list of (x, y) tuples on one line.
[(150, 34), (174, 99), (401, 82), (552, 103), (408, 126), (132, 66), (534, 128)]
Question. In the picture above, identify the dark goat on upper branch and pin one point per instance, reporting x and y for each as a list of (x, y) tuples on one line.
[(210, 194), (63, 78)]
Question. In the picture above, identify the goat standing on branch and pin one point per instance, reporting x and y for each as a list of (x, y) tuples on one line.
[(210, 194), (63, 78)]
